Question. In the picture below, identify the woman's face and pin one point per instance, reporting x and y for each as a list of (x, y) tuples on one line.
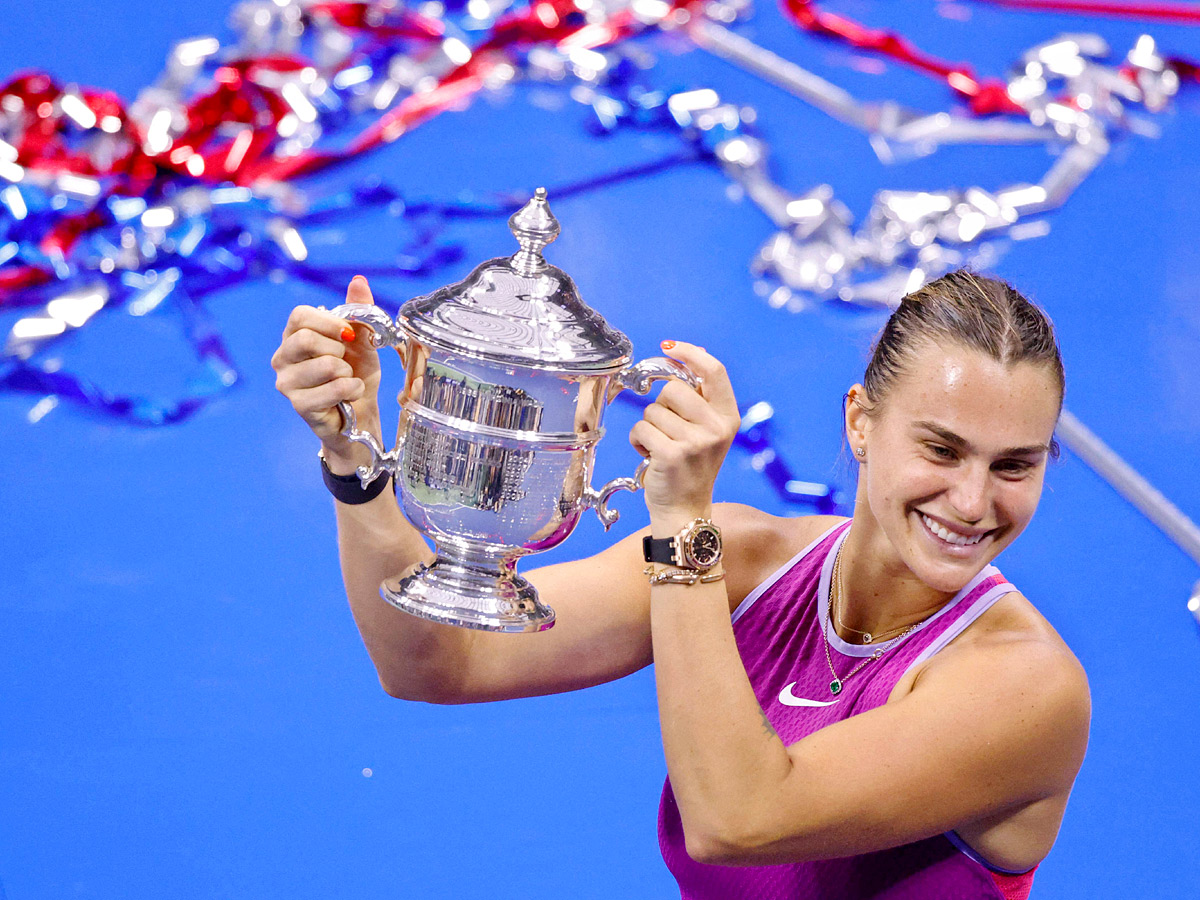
[(955, 457)]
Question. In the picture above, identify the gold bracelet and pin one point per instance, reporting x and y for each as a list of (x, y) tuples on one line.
[(683, 576)]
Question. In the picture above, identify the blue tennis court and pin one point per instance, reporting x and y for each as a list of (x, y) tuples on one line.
[(186, 710)]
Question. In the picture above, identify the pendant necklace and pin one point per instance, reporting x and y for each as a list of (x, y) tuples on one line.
[(867, 636), (835, 593)]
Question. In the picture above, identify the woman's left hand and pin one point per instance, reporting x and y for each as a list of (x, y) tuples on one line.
[(686, 433)]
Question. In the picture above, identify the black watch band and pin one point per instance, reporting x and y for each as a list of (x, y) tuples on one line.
[(659, 550), (348, 488)]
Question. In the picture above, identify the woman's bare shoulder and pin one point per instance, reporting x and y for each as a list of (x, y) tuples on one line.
[(758, 543), (1017, 638), (1013, 623)]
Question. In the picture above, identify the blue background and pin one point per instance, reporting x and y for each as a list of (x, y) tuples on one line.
[(185, 708)]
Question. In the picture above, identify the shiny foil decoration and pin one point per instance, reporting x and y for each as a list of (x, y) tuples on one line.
[(187, 190), (1074, 98), (108, 209)]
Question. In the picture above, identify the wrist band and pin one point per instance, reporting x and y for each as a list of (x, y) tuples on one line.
[(348, 489)]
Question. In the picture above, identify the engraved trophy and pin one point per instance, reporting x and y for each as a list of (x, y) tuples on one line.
[(507, 375)]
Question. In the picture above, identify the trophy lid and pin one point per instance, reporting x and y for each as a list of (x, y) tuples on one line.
[(520, 309)]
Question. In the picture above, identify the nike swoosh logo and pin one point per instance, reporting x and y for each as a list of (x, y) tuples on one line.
[(787, 698)]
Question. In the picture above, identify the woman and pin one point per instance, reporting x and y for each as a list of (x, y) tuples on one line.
[(885, 716)]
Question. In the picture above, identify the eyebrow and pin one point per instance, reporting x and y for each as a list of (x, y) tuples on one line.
[(962, 443)]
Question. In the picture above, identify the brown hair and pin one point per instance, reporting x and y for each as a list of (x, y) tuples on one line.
[(974, 311)]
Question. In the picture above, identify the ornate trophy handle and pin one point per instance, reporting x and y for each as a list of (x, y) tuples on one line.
[(638, 378), (384, 333)]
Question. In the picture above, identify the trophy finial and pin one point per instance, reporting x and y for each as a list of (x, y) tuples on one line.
[(534, 226)]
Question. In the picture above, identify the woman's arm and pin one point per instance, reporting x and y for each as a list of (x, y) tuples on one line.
[(602, 629), (321, 361)]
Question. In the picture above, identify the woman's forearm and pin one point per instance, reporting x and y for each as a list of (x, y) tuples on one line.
[(727, 765), (725, 761), (415, 659)]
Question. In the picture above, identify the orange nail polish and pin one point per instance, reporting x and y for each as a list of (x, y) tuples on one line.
[(667, 345), (348, 334)]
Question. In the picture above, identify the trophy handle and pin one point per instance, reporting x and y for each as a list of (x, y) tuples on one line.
[(638, 378), (384, 333)]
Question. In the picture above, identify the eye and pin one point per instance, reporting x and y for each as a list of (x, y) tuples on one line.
[(940, 451), (1012, 468)]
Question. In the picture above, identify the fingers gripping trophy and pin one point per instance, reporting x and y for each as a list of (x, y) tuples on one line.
[(508, 373)]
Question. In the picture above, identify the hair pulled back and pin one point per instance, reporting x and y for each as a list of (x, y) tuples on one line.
[(970, 310)]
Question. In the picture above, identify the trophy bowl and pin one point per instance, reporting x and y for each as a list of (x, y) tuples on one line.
[(507, 376)]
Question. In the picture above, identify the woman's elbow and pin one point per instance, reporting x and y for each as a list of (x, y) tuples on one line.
[(751, 844), (721, 846), (440, 692), (707, 849)]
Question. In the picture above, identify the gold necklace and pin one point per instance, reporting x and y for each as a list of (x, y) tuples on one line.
[(835, 686), (867, 636)]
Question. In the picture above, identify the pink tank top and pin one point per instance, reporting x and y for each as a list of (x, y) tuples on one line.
[(778, 632)]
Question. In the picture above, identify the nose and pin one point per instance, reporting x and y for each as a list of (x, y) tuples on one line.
[(970, 494)]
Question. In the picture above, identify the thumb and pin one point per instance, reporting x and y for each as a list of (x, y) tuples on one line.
[(359, 291), (361, 353)]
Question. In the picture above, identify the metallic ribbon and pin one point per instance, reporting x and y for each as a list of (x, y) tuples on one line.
[(107, 207)]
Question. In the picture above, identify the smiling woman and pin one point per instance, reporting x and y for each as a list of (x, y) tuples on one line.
[(923, 724), (862, 709)]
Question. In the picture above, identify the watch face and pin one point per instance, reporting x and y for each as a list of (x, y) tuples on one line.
[(704, 546)]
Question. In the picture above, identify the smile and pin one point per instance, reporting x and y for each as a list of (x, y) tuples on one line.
[(952, 537)]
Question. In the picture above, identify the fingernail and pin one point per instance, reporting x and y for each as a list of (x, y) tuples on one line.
[(667, 345), (348, 334), (359, 278)]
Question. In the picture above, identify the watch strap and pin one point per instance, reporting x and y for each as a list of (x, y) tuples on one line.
[(348, 489), (659, 550)]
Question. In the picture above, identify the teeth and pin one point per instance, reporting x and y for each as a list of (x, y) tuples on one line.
[(950, 537)]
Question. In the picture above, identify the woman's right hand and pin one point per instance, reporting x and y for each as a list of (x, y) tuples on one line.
[(322, 361)]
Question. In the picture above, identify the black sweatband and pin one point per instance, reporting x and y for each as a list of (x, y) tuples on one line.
[(348, 488)]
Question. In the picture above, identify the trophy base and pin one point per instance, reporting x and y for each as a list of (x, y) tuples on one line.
[(470, 596)]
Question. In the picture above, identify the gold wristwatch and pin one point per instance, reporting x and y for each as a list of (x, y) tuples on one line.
[(696, 547)]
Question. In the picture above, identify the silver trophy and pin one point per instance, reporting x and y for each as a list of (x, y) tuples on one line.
[(508, 373)]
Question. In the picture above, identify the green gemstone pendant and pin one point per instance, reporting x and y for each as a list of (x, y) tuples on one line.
[(835, 686)]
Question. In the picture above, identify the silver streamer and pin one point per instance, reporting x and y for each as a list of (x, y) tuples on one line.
[(1076, 101)]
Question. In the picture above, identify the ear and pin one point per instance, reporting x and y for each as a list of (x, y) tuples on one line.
[(858, 423)]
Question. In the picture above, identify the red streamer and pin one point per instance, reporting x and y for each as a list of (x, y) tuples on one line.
[(18, 278), (990, 95), (1186, 13), (985, 97), (359, 16)]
